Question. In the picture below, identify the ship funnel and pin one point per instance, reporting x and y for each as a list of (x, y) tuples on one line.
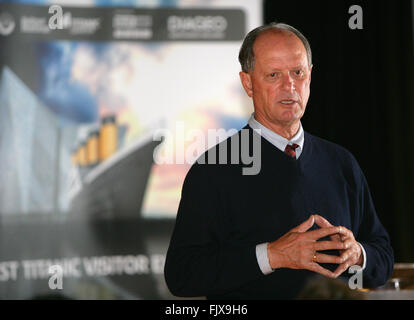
[(108, 138), (92, 148), (82, 154)]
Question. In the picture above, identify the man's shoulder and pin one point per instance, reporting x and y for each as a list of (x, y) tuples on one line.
[(228, 141), (222, 156), (332, 149)]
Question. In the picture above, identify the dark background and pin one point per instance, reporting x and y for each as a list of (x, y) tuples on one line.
[(362, 97)]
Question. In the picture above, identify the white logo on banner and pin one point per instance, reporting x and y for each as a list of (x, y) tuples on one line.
[(7, 24)]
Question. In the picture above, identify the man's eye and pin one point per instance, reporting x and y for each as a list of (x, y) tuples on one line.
[(272, 75), (299, 73)]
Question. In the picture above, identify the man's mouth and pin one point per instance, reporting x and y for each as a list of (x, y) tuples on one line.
[(287, 102)]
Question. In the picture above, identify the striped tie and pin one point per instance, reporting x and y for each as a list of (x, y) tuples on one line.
[(290, 150)]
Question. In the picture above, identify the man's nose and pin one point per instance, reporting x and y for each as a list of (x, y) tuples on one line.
[(288, 84)]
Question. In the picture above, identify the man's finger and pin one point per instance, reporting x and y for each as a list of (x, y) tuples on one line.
[(349, 252), (327, 258), (322, 222), (345, 233), (323, 232), (341, 268), (348, 243), (329, 245), (305, 226), (345, 256), (318, 269)]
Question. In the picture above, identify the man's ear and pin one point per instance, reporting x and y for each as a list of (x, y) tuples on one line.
[(310, 73), (246, 81)]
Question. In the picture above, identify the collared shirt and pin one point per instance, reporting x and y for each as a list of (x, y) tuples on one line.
[(277, 140), (280, 142)]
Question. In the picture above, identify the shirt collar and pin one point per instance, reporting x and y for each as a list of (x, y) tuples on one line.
[(276, 139)]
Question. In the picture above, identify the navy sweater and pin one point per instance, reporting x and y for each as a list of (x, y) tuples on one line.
[(224, 214)]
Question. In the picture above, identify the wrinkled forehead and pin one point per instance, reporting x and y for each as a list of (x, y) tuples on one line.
[(279, 46)]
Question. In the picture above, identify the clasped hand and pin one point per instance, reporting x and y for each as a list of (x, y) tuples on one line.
[(299, 248)]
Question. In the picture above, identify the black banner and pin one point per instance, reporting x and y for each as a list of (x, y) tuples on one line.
[(30, 22)]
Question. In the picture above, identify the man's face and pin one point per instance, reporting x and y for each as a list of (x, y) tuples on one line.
[(280, 80)]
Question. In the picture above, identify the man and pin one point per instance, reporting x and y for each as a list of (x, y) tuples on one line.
[(307, 211)]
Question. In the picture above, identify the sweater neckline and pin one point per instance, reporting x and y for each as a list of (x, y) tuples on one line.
[(301, 161)]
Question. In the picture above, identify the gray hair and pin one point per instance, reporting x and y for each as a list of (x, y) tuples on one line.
[(246, 54)]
